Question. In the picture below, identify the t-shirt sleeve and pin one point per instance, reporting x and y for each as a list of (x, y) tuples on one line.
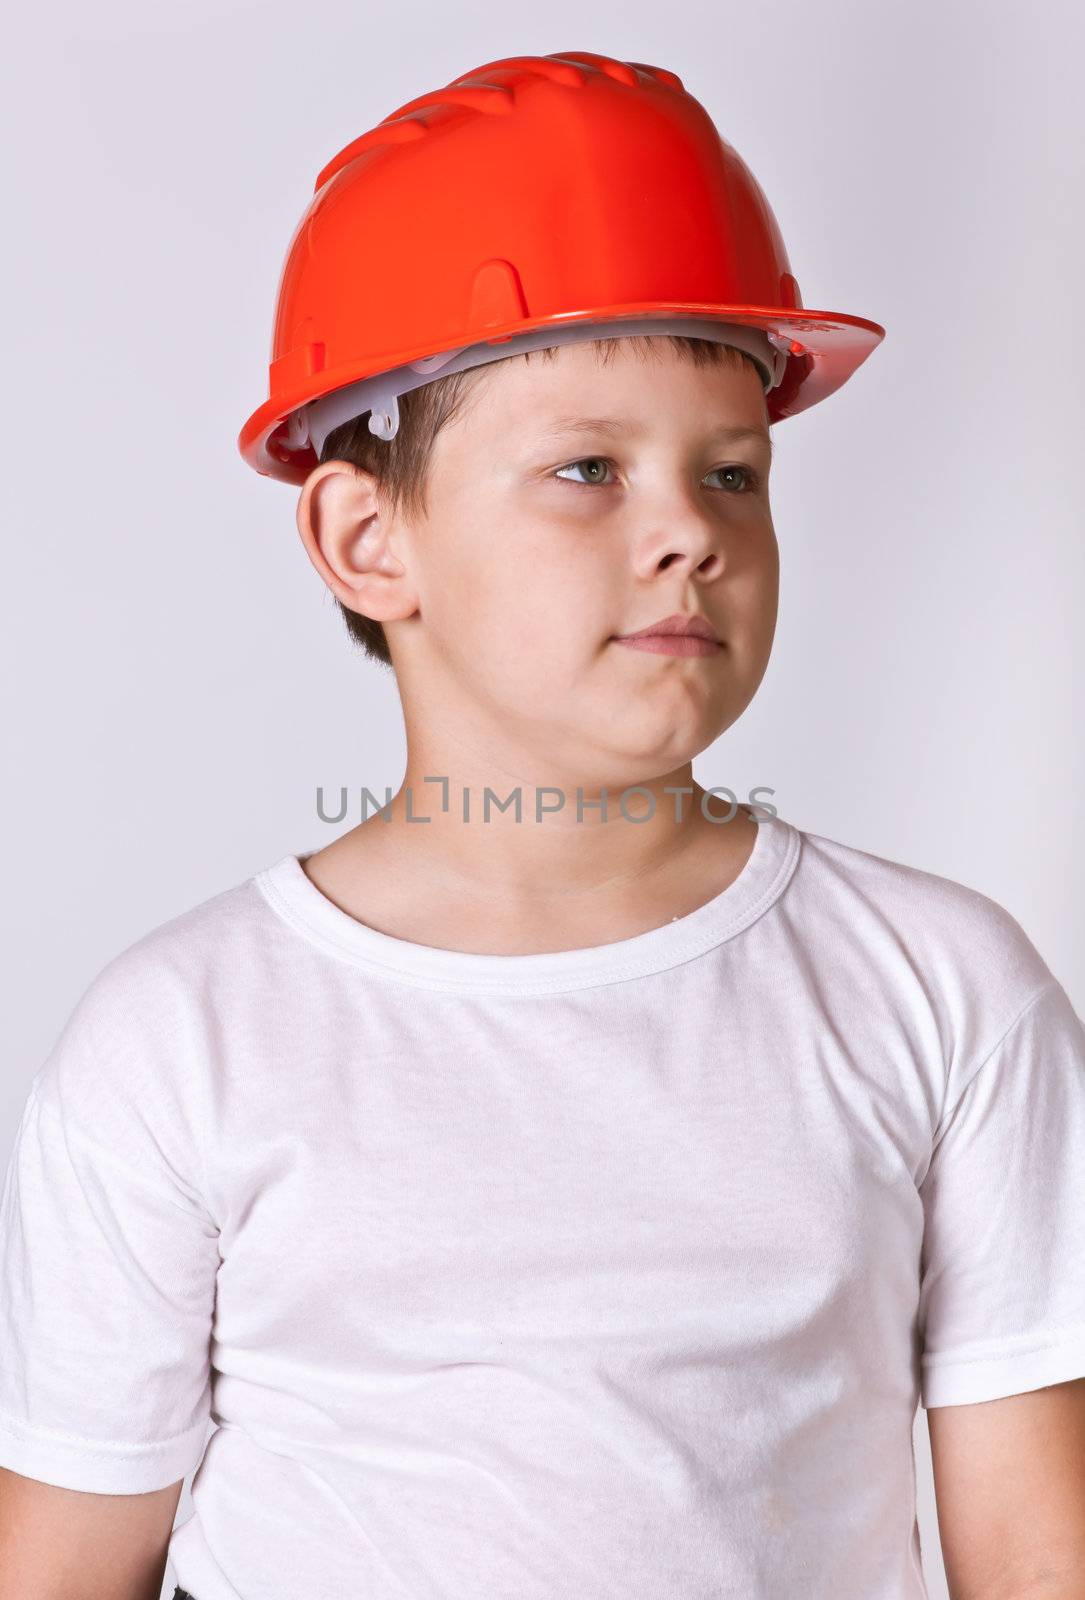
[(1002, 1284), (108, 1260)]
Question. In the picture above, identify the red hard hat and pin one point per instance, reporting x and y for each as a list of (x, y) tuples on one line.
[(533, 191)]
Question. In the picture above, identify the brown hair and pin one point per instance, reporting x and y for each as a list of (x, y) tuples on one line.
[(400, 464)]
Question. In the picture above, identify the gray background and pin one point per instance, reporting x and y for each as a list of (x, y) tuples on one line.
[(177, 680)]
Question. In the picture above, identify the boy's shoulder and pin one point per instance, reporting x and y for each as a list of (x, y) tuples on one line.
[(935, 923), (144, 1031), (186, 963)]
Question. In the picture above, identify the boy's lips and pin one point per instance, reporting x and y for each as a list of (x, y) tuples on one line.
[(676, 626), (676, 635)]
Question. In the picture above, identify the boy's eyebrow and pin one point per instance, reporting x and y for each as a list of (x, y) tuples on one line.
[(726, 433)]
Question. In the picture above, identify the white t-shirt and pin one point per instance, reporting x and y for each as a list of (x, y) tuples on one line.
[(614, 1272)]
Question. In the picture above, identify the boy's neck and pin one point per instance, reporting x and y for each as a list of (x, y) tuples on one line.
[(587, 884)]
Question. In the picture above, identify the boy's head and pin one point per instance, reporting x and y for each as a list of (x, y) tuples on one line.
[(492, 552), (490, 556)]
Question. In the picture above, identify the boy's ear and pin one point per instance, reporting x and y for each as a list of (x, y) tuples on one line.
[(347, 540)]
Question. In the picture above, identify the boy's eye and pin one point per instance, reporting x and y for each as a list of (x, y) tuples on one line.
[(596, 462), (600, 463)]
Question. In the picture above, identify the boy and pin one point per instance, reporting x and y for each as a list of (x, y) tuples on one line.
[(562, 1183)]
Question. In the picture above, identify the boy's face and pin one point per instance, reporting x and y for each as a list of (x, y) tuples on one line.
[(541, 544)]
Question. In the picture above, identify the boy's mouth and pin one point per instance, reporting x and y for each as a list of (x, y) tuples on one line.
[(676, 635)]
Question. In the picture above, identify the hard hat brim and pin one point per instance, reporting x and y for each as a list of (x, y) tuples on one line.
[(827, 348)]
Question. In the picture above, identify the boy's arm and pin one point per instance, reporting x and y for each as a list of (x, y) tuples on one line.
[(1009, 1479), (60, 1542)]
